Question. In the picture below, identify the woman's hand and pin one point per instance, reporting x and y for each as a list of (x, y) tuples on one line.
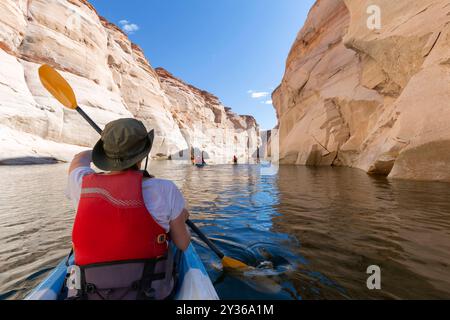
[(83, 159)]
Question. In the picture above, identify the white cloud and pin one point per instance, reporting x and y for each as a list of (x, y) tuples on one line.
[(128, 27), (257, 95), (268, 102)]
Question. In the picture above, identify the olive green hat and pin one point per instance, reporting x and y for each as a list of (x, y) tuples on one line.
[(124, 143)]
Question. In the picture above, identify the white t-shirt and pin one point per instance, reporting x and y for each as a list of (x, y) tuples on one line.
[(162, 198)]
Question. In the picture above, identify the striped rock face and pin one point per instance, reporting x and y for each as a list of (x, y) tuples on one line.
[(111, 78), (366, 86)]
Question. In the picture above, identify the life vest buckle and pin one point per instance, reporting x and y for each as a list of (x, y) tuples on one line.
[(150, 293), (136, 285), (161, 239), (91, 288)]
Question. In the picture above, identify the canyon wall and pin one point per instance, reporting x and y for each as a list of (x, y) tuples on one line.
[(377, 99), (111, 78), (207, 124)]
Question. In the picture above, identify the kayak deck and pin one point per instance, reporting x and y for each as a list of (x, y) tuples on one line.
[(194, 282)]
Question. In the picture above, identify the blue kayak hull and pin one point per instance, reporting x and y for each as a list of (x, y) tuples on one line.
[(194, 284)]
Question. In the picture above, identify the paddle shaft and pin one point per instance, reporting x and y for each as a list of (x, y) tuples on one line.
[(89, 120), (188, 222), (205, 239)]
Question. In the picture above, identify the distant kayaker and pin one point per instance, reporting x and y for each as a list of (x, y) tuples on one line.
[(124, 219), (203, 158), (258, 160)]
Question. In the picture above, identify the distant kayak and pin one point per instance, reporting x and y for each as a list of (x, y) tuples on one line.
[(200, 165), (194, 282)]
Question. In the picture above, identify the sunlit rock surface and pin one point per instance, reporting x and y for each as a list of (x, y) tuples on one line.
[(207, 124), (374, 99), (111, 78)]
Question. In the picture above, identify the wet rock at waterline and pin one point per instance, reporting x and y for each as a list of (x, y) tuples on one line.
[(369, 96), (111, 78)]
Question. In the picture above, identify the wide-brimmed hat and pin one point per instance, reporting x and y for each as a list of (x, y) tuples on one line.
[(124, 143)]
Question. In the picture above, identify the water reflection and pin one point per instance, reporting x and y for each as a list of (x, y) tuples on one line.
[(347, 221), (307, 233)]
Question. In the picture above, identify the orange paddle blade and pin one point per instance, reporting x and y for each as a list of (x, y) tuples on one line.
[(230, 263), (57, 86)]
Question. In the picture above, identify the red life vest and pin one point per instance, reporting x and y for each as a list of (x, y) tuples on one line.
[(112, 222)]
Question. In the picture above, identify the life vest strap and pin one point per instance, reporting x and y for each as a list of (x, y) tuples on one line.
[(140, 288), (114, 263)]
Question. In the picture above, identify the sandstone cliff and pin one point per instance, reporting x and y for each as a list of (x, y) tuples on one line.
[(376, 99), (111, 78), (207, 124)]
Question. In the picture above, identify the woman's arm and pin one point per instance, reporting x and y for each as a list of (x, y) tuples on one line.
[(82, 159), (179, 232)]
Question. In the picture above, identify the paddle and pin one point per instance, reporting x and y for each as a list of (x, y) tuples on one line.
[(227, 262), (63, 92)]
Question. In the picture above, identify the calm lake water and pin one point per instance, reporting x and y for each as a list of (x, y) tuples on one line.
[(315, 231)]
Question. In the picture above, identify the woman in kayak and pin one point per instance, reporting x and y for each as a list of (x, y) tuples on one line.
[(124, 219)]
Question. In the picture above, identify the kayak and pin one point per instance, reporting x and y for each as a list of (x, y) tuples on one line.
[(194, 282), (200, 165)]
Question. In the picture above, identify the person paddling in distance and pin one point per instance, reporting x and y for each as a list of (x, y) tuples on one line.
[(124, 219), (203, 158)]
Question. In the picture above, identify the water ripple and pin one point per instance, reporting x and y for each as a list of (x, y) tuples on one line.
[(307, 233)]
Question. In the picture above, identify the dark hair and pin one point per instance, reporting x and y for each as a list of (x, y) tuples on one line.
[(137, 168), (134, 167)]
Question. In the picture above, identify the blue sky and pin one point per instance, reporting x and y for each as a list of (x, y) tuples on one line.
[(235, 49)]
